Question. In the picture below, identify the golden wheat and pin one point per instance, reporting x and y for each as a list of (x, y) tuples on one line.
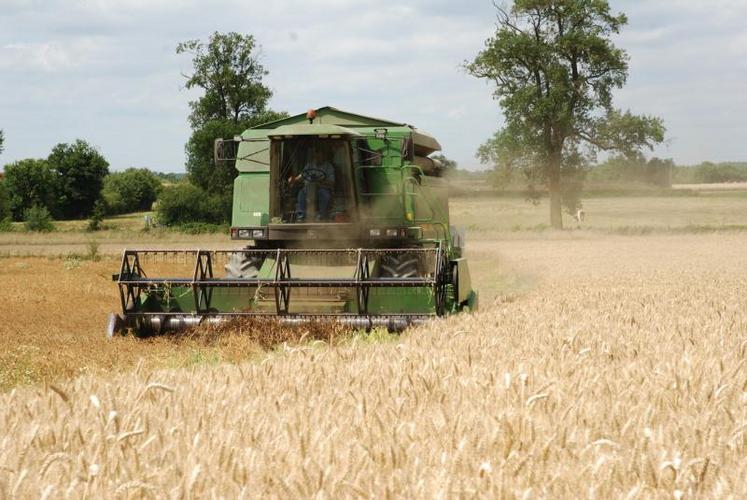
[(603, 367)]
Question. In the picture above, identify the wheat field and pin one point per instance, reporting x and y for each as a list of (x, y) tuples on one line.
[(597, 367)]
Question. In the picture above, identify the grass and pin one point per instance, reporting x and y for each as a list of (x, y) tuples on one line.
[(110, 242), (71, 237), (491, 218), (487, 217), (600, 364)]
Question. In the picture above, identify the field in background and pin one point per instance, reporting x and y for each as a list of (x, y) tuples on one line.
[(718, 187), (121, 231), (604, 361), (702, 209), (493, 217)]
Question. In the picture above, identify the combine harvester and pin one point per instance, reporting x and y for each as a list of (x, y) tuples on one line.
[(344, 218)]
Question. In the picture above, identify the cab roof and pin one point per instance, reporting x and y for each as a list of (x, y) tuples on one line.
[(327, 115), (326, 129)]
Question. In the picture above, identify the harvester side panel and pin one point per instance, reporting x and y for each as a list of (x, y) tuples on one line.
[(251, 201)]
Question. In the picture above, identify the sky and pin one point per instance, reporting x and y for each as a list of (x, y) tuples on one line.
[(107, 71)]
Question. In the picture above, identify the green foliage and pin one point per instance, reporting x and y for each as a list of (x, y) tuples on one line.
[(96, 221), (38, 219), (80, 171), (202, 228), (708, 173), (506, 151), (448, 165), (625, 132), (133, 190), (634, 169), (6, 225), (554, 67), (2, 141), (4, 201), (659, 172), (29, 183), (203, 171), (186, 203), (171, 177), (67, 183), (228, 70), (572, 174), (234, 98)]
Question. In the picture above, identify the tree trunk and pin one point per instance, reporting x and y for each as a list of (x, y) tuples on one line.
[(553, 176)]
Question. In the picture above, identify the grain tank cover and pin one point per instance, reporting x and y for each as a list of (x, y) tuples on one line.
[(425, 143), (305, 129)]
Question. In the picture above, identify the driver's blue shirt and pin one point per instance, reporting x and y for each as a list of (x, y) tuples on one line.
[(322, 173)]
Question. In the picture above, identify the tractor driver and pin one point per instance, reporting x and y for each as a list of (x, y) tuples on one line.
[(320, 173)]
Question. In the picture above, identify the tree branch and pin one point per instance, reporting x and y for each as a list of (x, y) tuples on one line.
[(593, 141)]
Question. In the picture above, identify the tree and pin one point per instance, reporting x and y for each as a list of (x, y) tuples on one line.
[(185, 203), (708, 172), (130, 191), (228, 70), (38, 219), (4, 196), (554, 68), (635, 169), (203, 171), (80, 170), (4, 202), (30, 183), (96, 222), (447, 164)]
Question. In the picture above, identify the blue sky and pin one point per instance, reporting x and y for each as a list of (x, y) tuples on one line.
[(107, 71)]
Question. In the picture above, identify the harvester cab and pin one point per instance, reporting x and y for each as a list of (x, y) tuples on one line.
[(340, 217), (311, 178)]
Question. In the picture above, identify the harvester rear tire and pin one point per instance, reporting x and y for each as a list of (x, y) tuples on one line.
[(399, 266), (243, 266)]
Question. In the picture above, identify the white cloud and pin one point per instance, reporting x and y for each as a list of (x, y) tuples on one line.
[(49, 56), (106, 70), (52, 56)]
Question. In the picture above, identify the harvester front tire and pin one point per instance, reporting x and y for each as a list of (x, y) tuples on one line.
[(399, 266), (243, 266)]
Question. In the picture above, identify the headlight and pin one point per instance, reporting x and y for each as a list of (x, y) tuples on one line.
[(258, 233), (244, 233), (374, 232), (392, 233)]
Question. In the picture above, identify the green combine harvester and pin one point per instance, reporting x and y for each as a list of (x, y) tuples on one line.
[(341, 217)]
